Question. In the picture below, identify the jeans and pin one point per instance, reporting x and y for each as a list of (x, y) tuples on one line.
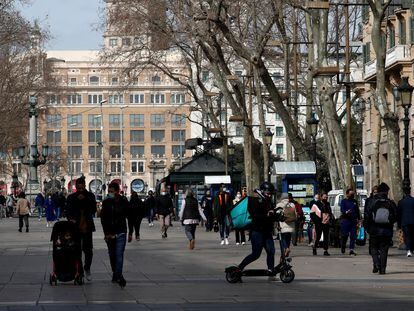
[(136, 226), (240, 236), (116, 249), (259, 241), (310, 232), (165, 223), (57, 211), (87, 246), (39, 211), (286, 239), (348, 229), (224, 228), (150, 215), (26, 221), (409, 237), (190, 231), (322, 228), (379, 246), (209, 216)]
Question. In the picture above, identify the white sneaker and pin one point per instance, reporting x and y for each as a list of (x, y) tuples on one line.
[(47, 225), (237, 243), (409, 254), (243, 243), (88, 275), (222, 242), (226, 241)]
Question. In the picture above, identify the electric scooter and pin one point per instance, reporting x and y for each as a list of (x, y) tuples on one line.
[(284, 269)]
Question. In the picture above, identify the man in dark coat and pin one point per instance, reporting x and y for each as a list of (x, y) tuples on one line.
[(405, 220), (136, 213), (350, 216), (380, 232), (164, 208), (81, 206)]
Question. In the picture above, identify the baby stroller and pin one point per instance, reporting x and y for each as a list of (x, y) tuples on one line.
[(67, 260)]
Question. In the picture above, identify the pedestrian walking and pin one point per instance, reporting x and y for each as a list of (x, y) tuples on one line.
[(23, 211), (321, 215), (350, 217), (379, 219), (114, 215), (300, 221), (240, 234), (311, 226), (190, 216), (3, 207), (150, 207), (49, 211), (81, 206), (222, 206), (287, 227), (405, 220), (164, 208), (207, 206), (136, 213), (10, 202), (39, 204)]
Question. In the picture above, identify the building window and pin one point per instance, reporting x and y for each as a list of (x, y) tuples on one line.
[(74, 99), (177, 98), (17, 167), (95, 151), (137, 151), (136, 120), (157, 98), (75, 136), (277, 117), (137, 136), (239, 130), (136, 98), (95, 167), (53, 137), (53, 99), (238, 73), (53, 120), (137, 167), (391, 31), (114, 81), (403, 31), (94, 80), (73, 81), (157, 120), (75, 167), (95, 98), (158, 151), (116, 99), (74, 151), (74, 120), (279, 149), (178, 120), (178, 150), (94, 120), (114, 151), (94, 136), (279, 131), (114, 120), (115, 136), (178, 135), (156, 79), (113, 42), (115, 166), (205, 75), (157, 136), (55, 151), (126, 41)]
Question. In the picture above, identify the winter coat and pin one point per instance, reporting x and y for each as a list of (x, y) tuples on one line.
[(75, 207), (385, 230), (114, 215), (222, 205), (191, 212), (164, 205), (286, 227), (259, 212), (40, 200), (136, 207), (405, 211), (350, 211), (22, 207)]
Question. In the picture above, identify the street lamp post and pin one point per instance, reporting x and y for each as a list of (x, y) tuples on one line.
[(268, 138), (231, 149), (15, 182), (313, 122), (405, 91)]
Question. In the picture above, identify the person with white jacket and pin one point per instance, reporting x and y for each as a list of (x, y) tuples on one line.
[(287, 227)]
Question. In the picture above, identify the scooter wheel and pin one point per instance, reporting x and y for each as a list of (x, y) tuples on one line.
[(233, 277), (287, 276)]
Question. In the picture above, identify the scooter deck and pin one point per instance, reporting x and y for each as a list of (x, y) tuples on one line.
[(257, 272)]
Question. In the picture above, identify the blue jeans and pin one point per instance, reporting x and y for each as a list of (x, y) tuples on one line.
[(150, 215), (224, 227), (259, 241), (39, 211), (116, 249), (349, 228), (57, 211)]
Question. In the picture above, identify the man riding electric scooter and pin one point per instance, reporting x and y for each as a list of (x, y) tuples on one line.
[(263, 215)]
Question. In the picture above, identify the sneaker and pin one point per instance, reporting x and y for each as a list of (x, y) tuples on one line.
[(325, 253), (352, 253), (243, 243), (137, 238), (222, 242), (237, 243), (20, 229), (409, 254), (375, 269), (226, 241), (314, 252), (342, 250), (122, 282), (88, 275), (27, 229)]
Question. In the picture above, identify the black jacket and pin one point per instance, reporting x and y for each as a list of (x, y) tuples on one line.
[(149, 203), (75, 206), (325, 208), (164, 205), (114, 215), (374, 229), (191, 209), (136, 208), (259, 209), (405, 212)]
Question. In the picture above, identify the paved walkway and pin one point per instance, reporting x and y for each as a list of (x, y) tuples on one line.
[(164, 274)]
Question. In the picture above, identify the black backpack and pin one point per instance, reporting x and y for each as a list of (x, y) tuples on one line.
[(381, 212)]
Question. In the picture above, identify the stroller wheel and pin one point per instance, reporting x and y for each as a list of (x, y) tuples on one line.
[(287, 276)]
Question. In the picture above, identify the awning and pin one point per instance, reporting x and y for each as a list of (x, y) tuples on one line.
[(215, 180), (297, 168)]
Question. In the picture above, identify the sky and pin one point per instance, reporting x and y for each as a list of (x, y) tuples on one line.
[(71, 23)]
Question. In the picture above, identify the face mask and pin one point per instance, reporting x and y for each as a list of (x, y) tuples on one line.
[(163, 193), (238, 195), (110, 195), (224, 189), (352, 196)]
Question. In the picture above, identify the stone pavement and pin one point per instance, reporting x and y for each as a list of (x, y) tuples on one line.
[(164, 274)]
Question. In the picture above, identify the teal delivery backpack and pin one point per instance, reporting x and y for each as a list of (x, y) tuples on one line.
[(240, 216)]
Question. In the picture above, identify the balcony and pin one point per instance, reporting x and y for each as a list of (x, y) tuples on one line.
[(395, 55)]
